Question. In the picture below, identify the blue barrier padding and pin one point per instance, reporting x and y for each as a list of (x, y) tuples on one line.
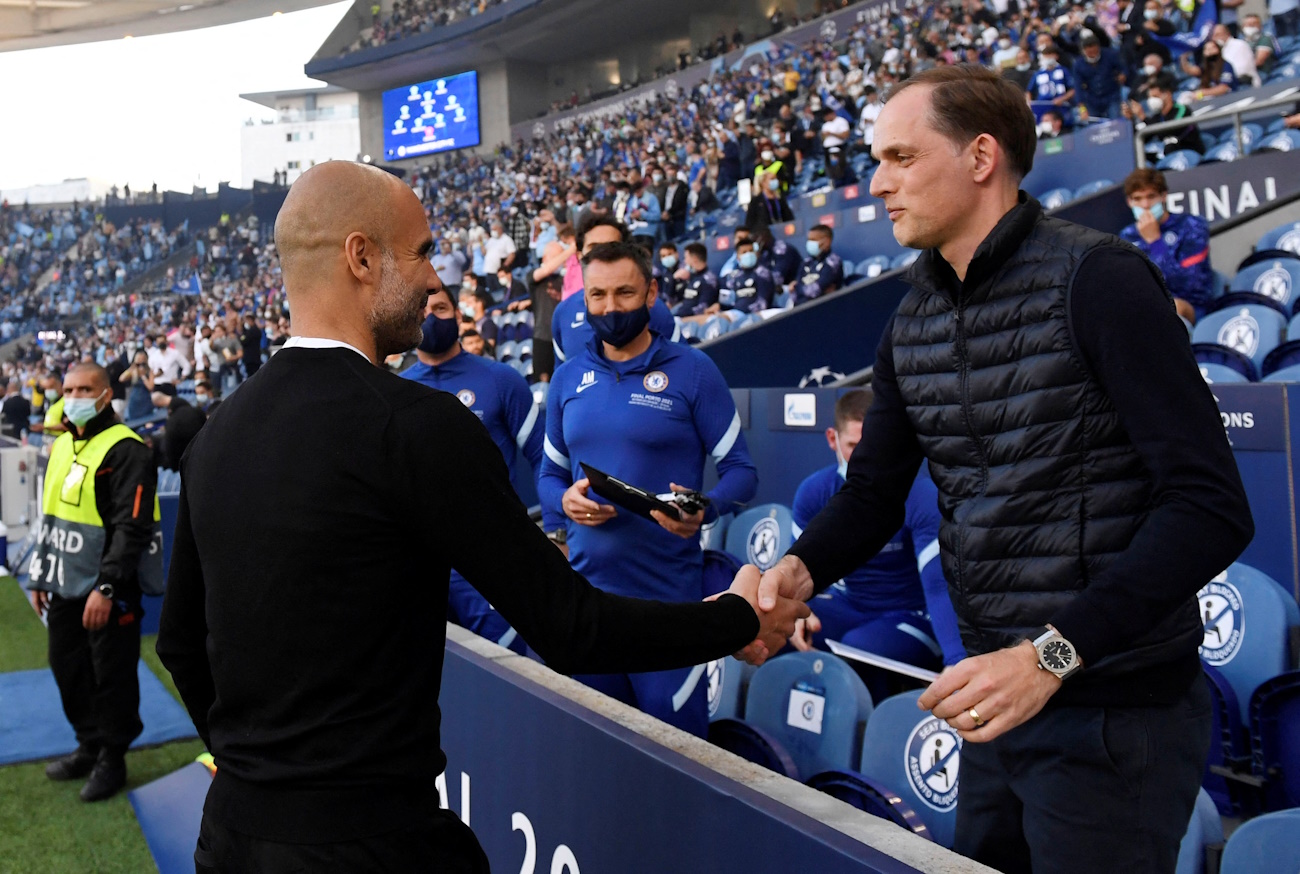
[(169, 811), (32, 724)]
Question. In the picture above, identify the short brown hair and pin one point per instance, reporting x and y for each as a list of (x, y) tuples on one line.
[(968, 100), (608, 253), (1144, 178), (852, 406)]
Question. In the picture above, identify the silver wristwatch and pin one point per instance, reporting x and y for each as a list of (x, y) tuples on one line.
[(1055, 653)]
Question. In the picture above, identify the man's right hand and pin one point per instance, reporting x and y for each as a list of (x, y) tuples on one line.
[(775, 625), (581, 509), (40, 602), (788, 578)]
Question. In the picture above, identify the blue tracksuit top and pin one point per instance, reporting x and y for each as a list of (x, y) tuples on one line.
[(570, 331), (497, 394), (649, 421), (1183, 255), (906, 574)]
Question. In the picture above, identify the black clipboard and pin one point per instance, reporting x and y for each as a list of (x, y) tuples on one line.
[(627, 496)]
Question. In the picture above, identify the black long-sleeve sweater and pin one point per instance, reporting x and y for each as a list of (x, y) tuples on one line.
[(1125, 328), (323, 506)]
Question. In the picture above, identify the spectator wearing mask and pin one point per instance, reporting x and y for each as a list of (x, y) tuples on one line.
[(499, 250), (1099, 77), (593, 416), (500, 397), (1052, 125), (1153, 71), (871, 107), (139, 388), (1154, 25), (896, 604), (768, 165), (699, 284), (1238, 53), (168, 364), (643, 216), (675, 202), (1052, 83), (1261, 43), (203, 353), (203, 396), (664, 267), (250, 339), (517, 227), (231, 352), (778, 256), (541, 233), (822, 272), (514, 292), (749, 288), (835, 132), (701, 198), (1215, 75), (1160, 106), (1022, 74), (1179, 244), (768, 205), (474, 305), (450, 264)]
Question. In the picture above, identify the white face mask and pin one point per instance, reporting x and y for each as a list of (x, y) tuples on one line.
[(1155, 105), (1250, 32), (842, 463), (1148, 70), (768, 156)]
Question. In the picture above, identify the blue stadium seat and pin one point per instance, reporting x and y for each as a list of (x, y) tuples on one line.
[(690, 330), (728, 680), (524, 349), (1224, 153), (1204, 830), (1092, 188), (905, 259), (1282, 141), (871, 797), (524, 325), (1275, 739), (1289, 70), (1268, 844), (1183, 159), (1221, 364), (1249, 620), (1285, 375), (1254, 329), (1251, 134), (919, 757), (1217, 374), (1229, 745), (506, 350), (1056, 198), (815, 705), (1275, 278), (873, 266), (713, 535), (1276, 125), (761, 535), (715, 328), (752, 744), (1286, 237), (1211, 137)]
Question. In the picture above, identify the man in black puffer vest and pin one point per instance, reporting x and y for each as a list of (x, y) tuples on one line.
[(1086, 487)]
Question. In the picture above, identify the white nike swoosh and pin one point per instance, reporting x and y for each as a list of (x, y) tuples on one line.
[(577, 324), (584, 387)]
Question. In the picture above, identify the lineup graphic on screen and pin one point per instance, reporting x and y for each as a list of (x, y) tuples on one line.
[(434, 116)]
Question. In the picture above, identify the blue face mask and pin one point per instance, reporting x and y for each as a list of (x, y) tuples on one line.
[(79, 411), (620, 327), (747, 260), (669, 261), (813, 247), (439, 335), (1157, 212)]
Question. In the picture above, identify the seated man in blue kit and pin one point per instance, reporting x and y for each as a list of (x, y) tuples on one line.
[(500, 397), (1177, 243), (651, 413), (749, 288), (822, 271), (664, 268), (896, 605), (569, 329), (698, 284)]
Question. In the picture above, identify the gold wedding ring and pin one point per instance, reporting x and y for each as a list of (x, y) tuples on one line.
[(588, 517), (974, 714)]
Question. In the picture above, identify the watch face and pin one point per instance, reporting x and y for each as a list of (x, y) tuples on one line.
[(1057, 655)]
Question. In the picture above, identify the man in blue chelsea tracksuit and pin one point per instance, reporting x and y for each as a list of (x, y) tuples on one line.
[(750, 287), (500, 397), (896, 604), (649, 412)]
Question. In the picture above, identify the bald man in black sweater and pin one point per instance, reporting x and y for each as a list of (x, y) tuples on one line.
[(323, 506)]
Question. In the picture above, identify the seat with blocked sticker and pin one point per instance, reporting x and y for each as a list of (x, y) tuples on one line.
[(761, 535), (1253, 329)]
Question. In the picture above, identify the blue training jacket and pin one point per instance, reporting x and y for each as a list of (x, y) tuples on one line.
[(906, 574), (649, 421)]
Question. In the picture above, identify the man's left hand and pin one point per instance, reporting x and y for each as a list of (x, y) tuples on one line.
[(687, 527), (1005, 688), (95, 616)]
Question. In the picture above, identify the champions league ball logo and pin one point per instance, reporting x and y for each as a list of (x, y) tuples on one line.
[(1274, 283), (671, 89), (539, 130), (1241, 333), (932, 758), (829, 29), (763, 543), (1225, 624)]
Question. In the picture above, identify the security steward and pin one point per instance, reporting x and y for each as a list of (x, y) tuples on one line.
[(99, 547)]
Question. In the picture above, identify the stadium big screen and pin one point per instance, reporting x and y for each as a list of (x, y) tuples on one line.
[(434, 116)]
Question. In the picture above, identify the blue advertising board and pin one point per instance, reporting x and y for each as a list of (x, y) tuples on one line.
[(430, 117)]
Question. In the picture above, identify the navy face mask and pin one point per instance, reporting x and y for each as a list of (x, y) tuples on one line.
[(439, 335), (620, 327)]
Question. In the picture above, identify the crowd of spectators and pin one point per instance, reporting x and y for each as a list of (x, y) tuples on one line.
[(411, 17)]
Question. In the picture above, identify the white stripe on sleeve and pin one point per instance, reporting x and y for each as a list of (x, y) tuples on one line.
[(728, 440), (556, 455)]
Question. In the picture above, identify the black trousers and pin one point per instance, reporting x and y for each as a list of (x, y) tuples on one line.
[(444, 846), (96, 672), (1085, 789)]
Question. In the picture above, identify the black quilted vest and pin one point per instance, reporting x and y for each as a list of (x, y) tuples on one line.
[(1039, 486)]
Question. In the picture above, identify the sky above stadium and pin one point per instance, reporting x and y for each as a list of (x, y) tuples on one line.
[(162, 109)]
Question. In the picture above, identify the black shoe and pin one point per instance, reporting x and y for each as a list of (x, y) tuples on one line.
[(107, 778), (73, 766)]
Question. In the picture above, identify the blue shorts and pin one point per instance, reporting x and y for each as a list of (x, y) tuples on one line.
[(679, 698), (468, 609)]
